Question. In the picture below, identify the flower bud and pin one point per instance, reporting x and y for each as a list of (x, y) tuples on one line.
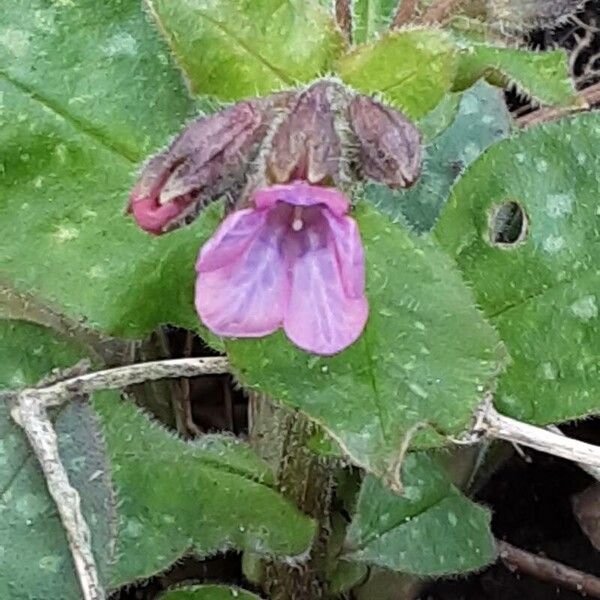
[(207, 159), (389, 144), (306, 145)]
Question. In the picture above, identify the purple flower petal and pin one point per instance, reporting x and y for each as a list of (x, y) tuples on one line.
[(349, 253), (300, 193), (320, 317), (233, 236), (247, 296)]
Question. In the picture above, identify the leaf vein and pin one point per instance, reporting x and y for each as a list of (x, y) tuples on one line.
[(81, 125)]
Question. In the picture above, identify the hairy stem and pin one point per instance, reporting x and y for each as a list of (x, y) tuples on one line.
[(280, 436)]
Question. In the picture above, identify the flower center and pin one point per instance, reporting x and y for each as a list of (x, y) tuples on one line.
[(297, 222)]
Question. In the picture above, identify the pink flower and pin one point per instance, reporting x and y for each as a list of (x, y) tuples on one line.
[(294, 260)]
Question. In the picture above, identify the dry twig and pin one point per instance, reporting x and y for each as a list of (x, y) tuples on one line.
[(343, 16), (29, 412), (405, 13), (549, 570), (120, 377), (441, 10), (591, 471), (589, 97), (492, 424)]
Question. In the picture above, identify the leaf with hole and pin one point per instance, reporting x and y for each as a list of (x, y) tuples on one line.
[(522, 225), (411, 69), (482, 119), (224, 494), (237, 48), (417, 364), (431, 530)]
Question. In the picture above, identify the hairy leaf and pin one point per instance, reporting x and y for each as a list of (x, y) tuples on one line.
[(99, 66), (64, 236), (237, 48), (411, 69), (482, 120), (93, 91), (424, 359), (543, 75), (172, 497), (431, 530), (522, 226)]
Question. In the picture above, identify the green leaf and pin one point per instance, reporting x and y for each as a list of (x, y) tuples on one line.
[(482, 120), (541, 293), (542, 75), (440, 118), (99, 66), (237, 48), (425, 357), (370, 18), (208, 592), (69, 133), (34, 556), (171, 496), (432, 530), (63, 234), (175, 496), (411, 69)]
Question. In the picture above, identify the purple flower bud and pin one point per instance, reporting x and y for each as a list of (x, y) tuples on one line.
[(208, 158), (306, 145), (389, 144)]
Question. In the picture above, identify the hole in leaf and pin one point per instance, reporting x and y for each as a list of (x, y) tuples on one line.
[(508, 224)]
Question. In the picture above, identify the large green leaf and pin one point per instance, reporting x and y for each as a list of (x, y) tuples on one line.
[(237, 48), (208, 592), (175, 497), (412, 69), (93, 90), (543, 75), (431, 530), (172, 496), (371, 18), (425, 357), (35, 563), (540, 293), (99, 66), (482, 119), (63, 234)]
